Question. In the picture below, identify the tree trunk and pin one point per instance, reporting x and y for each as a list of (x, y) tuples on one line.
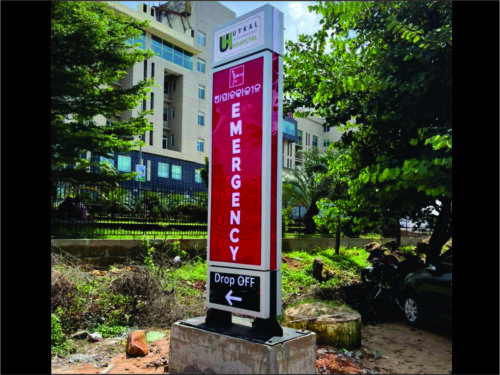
[(310, 225), (442, 232), (398, 234), (334, 326), (337, 238)]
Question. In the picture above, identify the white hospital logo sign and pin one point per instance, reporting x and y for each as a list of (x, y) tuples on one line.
[(238, 37), (237, 76)]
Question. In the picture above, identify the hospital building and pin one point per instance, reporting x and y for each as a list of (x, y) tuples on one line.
[(179, 33)]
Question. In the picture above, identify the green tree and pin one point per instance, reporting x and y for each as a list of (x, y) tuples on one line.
[(204, 172), (381, 71), (335, 211), (90, 50), (306, 185)]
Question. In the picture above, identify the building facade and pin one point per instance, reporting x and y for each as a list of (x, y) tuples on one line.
[(304, 134), (179, 35)]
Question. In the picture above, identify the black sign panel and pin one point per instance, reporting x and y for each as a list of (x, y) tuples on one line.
[(235, 290), (239, 291)]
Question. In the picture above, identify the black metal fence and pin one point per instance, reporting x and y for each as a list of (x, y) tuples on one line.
[(93, 211), (105, 211)]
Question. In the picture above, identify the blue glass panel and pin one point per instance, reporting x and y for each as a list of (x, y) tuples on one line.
[(156, 45), (167, 54), (200, 66), (178, 57), (288, 128), (142, 40), (156, 50), (188, 65)]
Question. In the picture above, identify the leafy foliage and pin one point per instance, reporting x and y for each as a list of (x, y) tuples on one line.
[(89, 52), (381, 72), (342, 268), (307, 184), (107, 331), (59, 344), (204, 172)]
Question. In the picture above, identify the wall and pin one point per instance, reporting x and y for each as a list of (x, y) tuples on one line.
[(106, 252)]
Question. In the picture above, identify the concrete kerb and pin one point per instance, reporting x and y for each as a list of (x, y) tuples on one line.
[(107, 252)]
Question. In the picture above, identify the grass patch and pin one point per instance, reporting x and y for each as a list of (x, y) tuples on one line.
[(188, 279), (157, 291), (342, 269)]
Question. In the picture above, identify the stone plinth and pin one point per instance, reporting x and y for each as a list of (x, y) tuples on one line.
[(196, 349)]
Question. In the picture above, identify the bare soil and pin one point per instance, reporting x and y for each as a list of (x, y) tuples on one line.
[(387, 348)]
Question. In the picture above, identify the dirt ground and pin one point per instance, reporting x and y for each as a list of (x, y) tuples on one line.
[(407, 350), (387, 348)]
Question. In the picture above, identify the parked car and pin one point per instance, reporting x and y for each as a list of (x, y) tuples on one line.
[(427, 293)]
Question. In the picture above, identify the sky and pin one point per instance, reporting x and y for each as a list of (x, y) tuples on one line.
[(297, 19)]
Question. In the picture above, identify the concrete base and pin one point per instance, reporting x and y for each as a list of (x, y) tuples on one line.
[(195, 349)]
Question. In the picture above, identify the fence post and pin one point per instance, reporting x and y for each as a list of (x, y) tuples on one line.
[(144, 213)]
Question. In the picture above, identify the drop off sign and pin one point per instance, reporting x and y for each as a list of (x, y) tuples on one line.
[(245, 173)]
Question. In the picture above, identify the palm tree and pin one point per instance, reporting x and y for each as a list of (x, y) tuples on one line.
[(307, 184)]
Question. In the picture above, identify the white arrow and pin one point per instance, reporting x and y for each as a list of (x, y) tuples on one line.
[(229, 297)]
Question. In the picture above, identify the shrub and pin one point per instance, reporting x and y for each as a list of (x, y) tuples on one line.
[(63, 291), (107, 331), (148, 302), (58, 340)]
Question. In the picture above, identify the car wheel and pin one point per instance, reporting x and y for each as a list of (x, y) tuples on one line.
[(412, 310)]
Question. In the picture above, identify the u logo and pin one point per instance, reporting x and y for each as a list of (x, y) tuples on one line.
[(226, 42)]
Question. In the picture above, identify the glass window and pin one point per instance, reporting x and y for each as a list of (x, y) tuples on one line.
[(188, 60), (110, 160), (197, 176), (201, 92), (200, 146), (178, 56), (288, 128), (202, 38), (299, 137), (162, 170), (152, 101), (165, 114), (176, 172), (200, 65), (201, 119), (141, 40), (124, 163), (168, 51), (172, 53), (164, 142), (315, 141), (156, 45)]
